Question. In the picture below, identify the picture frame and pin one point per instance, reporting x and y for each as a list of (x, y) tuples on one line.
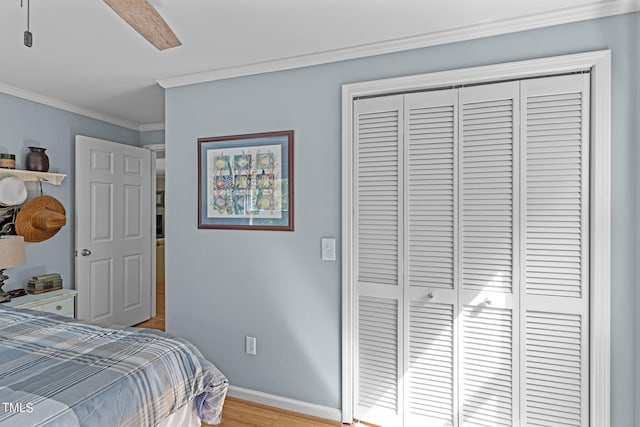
[(245, 182), (160, 199)]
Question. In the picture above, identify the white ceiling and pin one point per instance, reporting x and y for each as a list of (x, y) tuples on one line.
[(85, 58)]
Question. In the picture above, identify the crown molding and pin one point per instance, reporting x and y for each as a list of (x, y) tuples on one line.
[(150, 127), (563, 16), (56, 103)]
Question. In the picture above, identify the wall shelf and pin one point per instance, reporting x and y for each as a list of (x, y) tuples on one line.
[(32, 176)]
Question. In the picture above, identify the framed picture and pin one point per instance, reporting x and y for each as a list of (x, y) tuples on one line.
[(160, 199), (246, 181)]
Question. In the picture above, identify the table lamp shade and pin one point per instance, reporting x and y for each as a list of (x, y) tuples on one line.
[(11, 251)]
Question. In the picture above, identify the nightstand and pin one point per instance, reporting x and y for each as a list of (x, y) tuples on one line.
[(62, 302)]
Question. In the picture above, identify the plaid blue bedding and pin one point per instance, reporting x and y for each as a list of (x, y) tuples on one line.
[(57, 372)]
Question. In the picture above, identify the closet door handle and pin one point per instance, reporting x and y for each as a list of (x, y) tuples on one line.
[(429, 297), (85, 252)]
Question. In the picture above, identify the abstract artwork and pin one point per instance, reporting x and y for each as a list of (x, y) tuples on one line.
[(246, 181)]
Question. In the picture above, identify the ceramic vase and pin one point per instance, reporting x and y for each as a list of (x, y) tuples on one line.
[(37, 159)]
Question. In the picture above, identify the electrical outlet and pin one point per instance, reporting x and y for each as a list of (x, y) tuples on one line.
[(250, 345)]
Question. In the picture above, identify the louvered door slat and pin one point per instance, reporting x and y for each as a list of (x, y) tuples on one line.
[(554, 369), (430, 145), (430, 364), (487, 389), (377, 350), (430, 156), (542, 215), (377, 180), (487, 157), (488, 261), (378, 135), (555, 254)]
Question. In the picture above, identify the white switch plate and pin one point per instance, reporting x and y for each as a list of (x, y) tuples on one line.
[(250, 345), (328, 249)]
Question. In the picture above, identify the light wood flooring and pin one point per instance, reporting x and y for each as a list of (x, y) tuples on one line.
[(158, 321), (237, 412)]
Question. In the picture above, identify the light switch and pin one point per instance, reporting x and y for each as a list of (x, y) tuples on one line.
[(250, 345), (328, 249)]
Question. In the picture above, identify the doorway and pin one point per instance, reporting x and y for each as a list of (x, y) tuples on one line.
[(158, 219)]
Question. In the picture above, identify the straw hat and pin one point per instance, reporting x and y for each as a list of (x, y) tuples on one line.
[(13, 192), (40, 219)]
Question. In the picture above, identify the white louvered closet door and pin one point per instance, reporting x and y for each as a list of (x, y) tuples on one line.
[(378, 241), (471, 251), (430, 226), (489, 260), (555, 251)]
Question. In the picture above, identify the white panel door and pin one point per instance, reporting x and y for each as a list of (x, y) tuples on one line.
[(113, 232), (555, 251), (489, 275), (430, 219), (378, 242)]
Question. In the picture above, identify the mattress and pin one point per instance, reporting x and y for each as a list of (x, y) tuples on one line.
[(55, 371)]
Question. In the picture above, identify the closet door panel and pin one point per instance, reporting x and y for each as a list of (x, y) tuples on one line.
[(378, 192), (431, 227), (378, 241), (431, 192), (555, 377), (378, 364), (431, 367), (555, 251), (489, 255), (488, 182), (487, 392)]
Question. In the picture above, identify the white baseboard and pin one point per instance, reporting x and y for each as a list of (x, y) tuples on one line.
[(285, 403)]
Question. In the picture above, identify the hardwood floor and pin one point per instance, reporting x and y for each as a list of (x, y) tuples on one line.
[(237, 412), (153, 323), (158, 321)]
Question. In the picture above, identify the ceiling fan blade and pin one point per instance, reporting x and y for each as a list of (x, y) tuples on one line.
[(146, 20)]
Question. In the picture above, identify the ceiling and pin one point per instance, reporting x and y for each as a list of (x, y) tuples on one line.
[(87, 59)]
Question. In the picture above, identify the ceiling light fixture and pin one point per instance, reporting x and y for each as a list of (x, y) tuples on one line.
[(28, 37)]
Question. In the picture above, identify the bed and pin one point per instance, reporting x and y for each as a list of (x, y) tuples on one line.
[(58, 372)]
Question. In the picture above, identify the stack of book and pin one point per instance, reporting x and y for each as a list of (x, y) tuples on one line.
[(44, 283)]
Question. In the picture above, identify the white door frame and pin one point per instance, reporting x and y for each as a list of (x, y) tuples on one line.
[(154, 148), (599, 63)]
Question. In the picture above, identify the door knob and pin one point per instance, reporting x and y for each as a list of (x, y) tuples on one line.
[(85, 252)]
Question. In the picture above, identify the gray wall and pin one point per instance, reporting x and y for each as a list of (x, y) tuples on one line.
[(152, 137), (223, 285), (25, 123)]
